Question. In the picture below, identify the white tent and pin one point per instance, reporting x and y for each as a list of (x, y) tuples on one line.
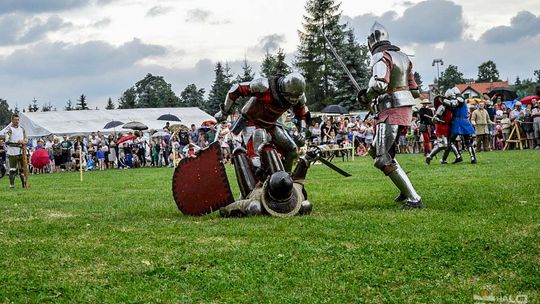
[(87, 121)]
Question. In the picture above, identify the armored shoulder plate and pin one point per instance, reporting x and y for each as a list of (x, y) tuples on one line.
[(376, 58), (259, 85)]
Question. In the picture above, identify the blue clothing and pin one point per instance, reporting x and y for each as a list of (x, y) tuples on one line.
[(100, 154), (460, 122)]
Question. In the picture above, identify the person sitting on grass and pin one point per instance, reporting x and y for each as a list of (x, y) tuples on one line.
[(122, 161)]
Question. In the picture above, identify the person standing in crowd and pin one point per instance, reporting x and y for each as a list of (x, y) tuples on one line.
[(390, 94), (100, 154), (113, 151), (57, 154), (425, 124), (2, 156), (528, 127), (481, 121), (66, 152), (193, 134), (535, 113), (15, 139)]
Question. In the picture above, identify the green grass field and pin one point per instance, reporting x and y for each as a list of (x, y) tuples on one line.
[(118, 237)]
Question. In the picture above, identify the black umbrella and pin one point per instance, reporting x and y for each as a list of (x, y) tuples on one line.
[(505, 92), (169, 117), (113, 124), (135, 125), (335, 109)]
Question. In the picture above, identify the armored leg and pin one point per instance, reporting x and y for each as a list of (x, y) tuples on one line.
[(241, 208), (458, 158), (282, 140), (432, 154), (244, 172), (470, 148), (403, 183)]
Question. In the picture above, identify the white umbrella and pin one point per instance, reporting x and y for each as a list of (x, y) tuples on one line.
[(160, 134)]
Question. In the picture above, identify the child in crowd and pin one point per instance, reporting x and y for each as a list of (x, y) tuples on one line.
[(90, 164), (101, 157), (122, 161), (505, 123)]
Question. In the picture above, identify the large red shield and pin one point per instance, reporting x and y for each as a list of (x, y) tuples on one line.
[(200, 184)]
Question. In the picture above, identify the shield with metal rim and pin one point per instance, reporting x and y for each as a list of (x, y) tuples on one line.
[(200, 184)]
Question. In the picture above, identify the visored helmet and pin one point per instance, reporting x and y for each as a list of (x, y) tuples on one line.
[(378, 33), (292, 87), (452, 92)]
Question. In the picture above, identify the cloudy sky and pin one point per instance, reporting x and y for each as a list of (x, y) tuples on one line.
[(57, 50)]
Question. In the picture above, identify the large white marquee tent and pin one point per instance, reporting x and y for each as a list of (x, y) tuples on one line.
[(75, 122)]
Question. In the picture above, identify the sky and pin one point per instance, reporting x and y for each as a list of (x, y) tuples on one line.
[(54, 51)]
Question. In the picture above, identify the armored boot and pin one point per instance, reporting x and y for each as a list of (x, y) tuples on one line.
[(456, 154), (473, 155), (241, 208), (432, 154), (12, 179), (403, 183), (445, 156)]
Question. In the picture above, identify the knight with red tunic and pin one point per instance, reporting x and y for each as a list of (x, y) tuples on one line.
[(269, 99), (443, 122), (390, 95)]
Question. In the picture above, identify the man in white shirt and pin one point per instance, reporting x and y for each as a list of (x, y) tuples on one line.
[(15, 139)]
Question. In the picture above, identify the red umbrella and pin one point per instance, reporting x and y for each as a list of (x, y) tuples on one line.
[(528, 99), (126, 138), (40, 158), (209, 122)]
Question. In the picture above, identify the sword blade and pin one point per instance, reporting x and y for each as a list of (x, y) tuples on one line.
[(333, 167), (333, 50)]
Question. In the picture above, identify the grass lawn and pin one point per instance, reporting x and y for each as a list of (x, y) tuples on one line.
[(118, 237)]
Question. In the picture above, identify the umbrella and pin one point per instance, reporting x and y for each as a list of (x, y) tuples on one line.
[(177, 127), (113, 124), (209, 122), (528, 99), (135, 125), (169, 117), (505, 92), (160, 134), (40, 158), (126, 138), (335, 109)]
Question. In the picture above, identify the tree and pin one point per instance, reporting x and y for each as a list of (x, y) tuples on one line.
[(518, 81), (356, 59), (47, 107), (5, 113), (487, 72), (191, 96), (33, 107), (110, 105), (154, 92), (537, 74), (128, 100), (247, 73), (281, 67), (69, 106), (219, 90), (267, 65), (418, 79), (450, 77), (82, 103), (314, 58)]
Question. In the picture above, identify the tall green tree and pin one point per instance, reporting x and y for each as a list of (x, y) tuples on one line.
[(110, 104), (487, 72), (314, 58), (356, 57), (82, 104), (247, 73), (154, 92), (128, 100), (268, 65), (5, 113), (281, 67), (218, 92), (192, 96), (450, 77), (537, 75), (418, 79)]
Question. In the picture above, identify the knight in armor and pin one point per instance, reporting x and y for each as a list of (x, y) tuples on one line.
[(15, 139), (269, 99), (390, 95), (442, 120), (276, 192), (461, 126)]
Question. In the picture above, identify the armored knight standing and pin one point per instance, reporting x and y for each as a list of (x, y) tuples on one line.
[(390, 95), (270, 98), (443, 120), (461, 126)]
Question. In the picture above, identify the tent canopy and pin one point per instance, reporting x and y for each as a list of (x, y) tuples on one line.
[(88, 121)]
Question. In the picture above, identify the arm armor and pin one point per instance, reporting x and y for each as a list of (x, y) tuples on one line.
[(378, 83)]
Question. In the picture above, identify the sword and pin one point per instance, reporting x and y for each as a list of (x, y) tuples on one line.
[(314, 154), (332, 166), (344, 67)]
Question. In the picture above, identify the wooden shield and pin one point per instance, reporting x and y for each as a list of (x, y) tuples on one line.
[(200, 184)]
